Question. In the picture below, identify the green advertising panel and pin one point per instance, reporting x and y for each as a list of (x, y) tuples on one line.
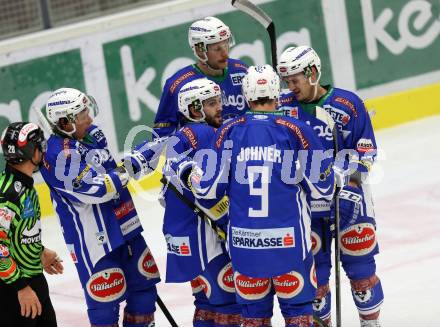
[(392, 40), (150, 55), (27, 83)]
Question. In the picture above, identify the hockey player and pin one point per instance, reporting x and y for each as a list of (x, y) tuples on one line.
[(264, 163), (24, 299), (100, 224), (210, 39), (300, 68), (195, 253)]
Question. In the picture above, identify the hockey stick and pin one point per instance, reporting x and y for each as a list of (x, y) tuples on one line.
[(331, 123), (165, 311), (199, 212), (258, 14)]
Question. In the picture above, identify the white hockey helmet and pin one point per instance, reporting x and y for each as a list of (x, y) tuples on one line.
[(261, 82), (300, 59), (206, 31), (194, 93), (67, 103)]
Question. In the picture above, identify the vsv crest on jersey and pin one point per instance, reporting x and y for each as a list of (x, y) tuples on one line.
[(358, 239), (263, 238), (178, 245), (107, 285)]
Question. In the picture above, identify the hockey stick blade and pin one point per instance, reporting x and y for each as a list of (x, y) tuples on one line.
[(258, 14)]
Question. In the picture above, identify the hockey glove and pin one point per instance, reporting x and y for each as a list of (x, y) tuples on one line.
[(122, 174), (136, 164), (350, 206)]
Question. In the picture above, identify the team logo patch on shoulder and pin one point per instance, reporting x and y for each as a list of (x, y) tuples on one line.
[(107, 285), (147, 266), (189, 134), (225, 278), (359, 239), (251, 288), (288, 285)]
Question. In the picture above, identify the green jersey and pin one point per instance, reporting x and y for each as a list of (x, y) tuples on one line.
[(20, 228)]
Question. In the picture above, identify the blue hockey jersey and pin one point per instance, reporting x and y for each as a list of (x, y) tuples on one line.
[(96, 213), (352, 119), (168, 119), (317, 118), (264, 163), (191, 243)]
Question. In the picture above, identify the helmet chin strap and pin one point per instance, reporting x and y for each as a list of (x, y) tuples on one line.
[(69, 134), (315, 86)]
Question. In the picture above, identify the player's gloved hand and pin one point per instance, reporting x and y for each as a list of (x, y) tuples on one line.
[(340, 176), (122, 174), (136, 165), (350, 206)]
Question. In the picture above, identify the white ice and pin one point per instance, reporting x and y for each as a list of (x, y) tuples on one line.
[(407, 203)]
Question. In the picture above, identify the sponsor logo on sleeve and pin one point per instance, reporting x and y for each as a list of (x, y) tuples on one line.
[(262, 239), (106, 285), (178, 245), (6, 216), (364, 145), (237, 78), (296, 130), (288, 285), (359, 239), (225, 278), (199, 284), (180, 79), (251, 288), (225, 129), (147, 265), (348, 104), (189, 134)]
